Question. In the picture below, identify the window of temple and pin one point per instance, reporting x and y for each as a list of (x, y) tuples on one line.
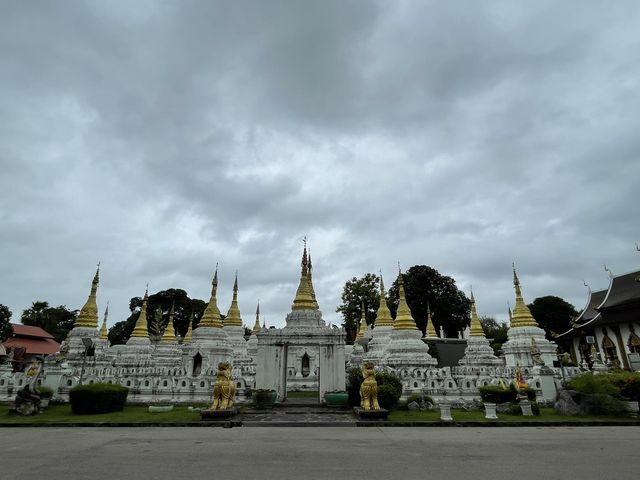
[(305, 365), (415, 384), (69, 383), (197, 364), (164, 383), (609, 349), (634, 342), (202, 384), (146, 383)]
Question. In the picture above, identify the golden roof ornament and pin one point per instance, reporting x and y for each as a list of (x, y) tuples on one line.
[(233, 318), (363, 324), (88, 316), (256, 325), (475, 326), (169, 335), (431, 329), (304, 299), (383, 316), (140, 329), (103, 329), (188, 336), (404, 319), (311, 289), (211, 316), (521, 316)]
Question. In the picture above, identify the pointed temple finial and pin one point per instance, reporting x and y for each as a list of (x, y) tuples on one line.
[(404, 319), (169, 335), (233, 318), (431, 329), (140, 329), (256, 326), (311, 290), (211, 316), (521, 316), (88, 316), (189, 335), (475, 329), (383, 315), (304, 299), (103, 329), (363, 323)]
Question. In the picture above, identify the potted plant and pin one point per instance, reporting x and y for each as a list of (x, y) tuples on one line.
[(264, 398), (45, 395), (336, 398)]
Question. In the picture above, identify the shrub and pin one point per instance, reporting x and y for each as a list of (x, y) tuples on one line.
[(497, 394), (590, 383), (389, 388), (628, 383), (45, 392), (603, 404), (97, 398)]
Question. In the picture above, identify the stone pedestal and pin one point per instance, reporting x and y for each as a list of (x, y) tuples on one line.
[(490, 411), (525, 406), (445, 412), (362, 414), (217, 415)]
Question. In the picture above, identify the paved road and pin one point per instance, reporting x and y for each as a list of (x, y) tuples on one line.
[(540, 453)]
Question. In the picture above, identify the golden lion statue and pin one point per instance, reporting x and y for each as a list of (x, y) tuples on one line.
[(369, 388), (224, 391)]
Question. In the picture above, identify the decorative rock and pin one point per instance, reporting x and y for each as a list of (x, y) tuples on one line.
[(490, 411), (567, 403), (413, 406), (445, 412)]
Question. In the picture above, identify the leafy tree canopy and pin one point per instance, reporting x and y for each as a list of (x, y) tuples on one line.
[(57, 321), (158, 307), (425, 285), (553, 314), (356, 291), (496, 332), (5, 323)]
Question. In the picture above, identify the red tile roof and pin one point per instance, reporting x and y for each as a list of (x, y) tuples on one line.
[(20, 330), (34, 346)]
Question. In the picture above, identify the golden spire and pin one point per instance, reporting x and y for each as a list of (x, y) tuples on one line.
[(363, 324), (475, 326), (256, 326), (233, 318), (103, 329), (431, 329), (211, 316), (140, 329), (304, 299), (404, 319), (521, 316), (169, 335), (187, 337), (88, 316), (311, 289), (383, 315)]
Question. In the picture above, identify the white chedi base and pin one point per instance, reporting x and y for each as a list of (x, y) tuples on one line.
[(480, 353), (406, 349), (377, 346), (517, 349)]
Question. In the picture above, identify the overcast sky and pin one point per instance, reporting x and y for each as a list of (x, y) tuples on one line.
[(162, 137)]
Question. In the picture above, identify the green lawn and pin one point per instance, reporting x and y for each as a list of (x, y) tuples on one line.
[(546, 415), (130, 414)]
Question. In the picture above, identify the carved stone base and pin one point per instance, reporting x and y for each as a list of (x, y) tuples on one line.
[(362, 414), (214, 415)]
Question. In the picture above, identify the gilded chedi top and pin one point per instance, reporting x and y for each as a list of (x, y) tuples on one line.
[(475, 327), (304, 298), (383, 315), (188, 336), (404, 319), (88, 316), (363, 325), (169, 335), (140, 329), (233, 318), (211, 316), (103, 329), (431, 329), (521, 316), (256, 325)]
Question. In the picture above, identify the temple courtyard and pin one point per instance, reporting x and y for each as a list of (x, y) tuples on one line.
[(320, 453)]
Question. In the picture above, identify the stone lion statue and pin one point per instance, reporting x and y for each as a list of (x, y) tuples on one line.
[(224, 390), (369, 388)]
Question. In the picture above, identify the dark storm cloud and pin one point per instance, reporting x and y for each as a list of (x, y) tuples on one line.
[(162, 138)]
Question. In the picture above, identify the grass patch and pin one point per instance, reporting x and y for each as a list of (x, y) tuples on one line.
[(547, 414), (302, 394), (131, 414)]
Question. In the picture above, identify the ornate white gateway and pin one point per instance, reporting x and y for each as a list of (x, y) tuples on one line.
[(304, 328)]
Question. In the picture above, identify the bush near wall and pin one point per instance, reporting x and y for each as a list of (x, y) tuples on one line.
[(97, 398), (497, 394), (621, 385)]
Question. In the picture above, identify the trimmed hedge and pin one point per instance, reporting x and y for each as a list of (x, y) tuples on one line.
[(45, 392), (497, 394), (97, 398)]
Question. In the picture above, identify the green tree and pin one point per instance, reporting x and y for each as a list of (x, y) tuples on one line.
[(5, 323), (160, 301), (552, 314), (496, 332), (424, 286), (57, 321), (356, 291)]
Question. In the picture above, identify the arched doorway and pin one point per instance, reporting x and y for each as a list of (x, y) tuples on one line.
[(197, 364), (305, 365)]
